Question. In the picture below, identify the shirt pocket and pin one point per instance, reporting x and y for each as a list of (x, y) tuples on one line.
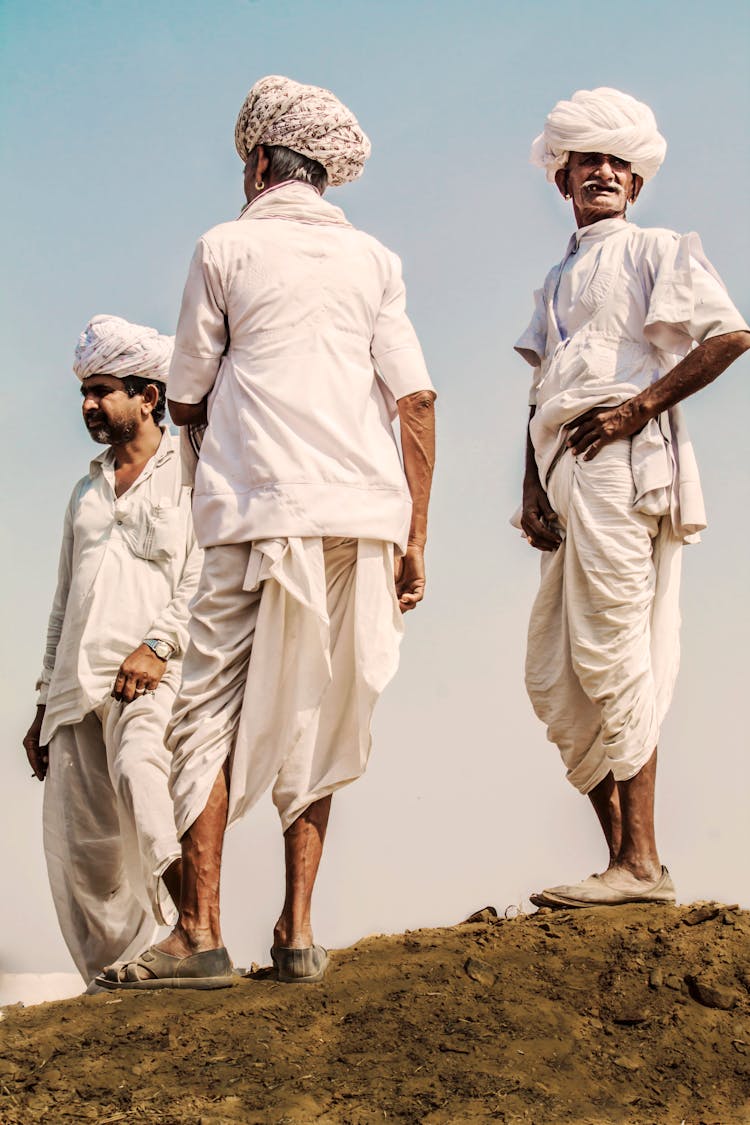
[(157, 534), (598, 288)]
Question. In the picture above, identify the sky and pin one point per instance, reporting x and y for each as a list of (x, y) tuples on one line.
[(117, 128)]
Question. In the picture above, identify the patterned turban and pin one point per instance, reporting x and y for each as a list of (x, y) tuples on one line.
[(306, 119), (110, 345), (602, 120)]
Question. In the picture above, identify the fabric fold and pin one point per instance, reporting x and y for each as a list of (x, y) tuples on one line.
[(301, 725)]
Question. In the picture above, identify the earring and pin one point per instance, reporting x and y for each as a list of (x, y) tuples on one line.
[(567, 195), (259, 185)]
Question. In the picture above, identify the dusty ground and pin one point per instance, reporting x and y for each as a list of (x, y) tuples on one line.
[(638, 1015)]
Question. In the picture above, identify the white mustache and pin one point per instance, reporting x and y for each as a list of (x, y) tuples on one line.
[(600, 184)]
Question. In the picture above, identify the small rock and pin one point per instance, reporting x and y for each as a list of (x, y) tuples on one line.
[(703, 913), (656, 977), (729, 919), (486, 914), (627, 1062), (631, 1016), (480, 971), (674, 982), (711, 995)]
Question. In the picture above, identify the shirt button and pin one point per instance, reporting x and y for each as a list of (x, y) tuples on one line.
[(119, 523)]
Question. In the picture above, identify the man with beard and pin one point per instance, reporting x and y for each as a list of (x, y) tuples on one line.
[(129, 565), (628, 324)]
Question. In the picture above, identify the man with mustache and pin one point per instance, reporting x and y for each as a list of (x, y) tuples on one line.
[(129, 565), (627, 325)]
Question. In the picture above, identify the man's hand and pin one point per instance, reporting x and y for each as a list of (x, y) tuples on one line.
[(140, 672), (538, 520), (410, 579), (38, 755), (597, 428)]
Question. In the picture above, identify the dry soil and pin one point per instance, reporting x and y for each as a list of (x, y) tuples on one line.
[(639, 1015)]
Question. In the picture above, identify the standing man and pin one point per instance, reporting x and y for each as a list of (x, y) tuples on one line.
[(611, 489), (294, 344), (129, 565)]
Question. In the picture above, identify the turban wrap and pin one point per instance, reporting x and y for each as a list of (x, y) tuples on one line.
[(306, 119), (110, 345), (601, 120)]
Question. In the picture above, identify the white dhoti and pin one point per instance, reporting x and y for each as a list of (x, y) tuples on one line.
[(603, 648), (109, 829), (291, 643)]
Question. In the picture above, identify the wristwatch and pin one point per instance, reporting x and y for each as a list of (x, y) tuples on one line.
[(162, 649)]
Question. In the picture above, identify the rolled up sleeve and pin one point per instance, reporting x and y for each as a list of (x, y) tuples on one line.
[(202, 334), (395, 348), (688, 302)]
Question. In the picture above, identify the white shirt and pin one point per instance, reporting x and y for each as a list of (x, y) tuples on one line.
[(647, 295), (293, 323), (619, 312), (129, 565)]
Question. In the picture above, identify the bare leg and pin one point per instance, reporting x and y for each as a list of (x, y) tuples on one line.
[(173, 881), (605, 798), (303, 847), (198, 926), (638, 857)]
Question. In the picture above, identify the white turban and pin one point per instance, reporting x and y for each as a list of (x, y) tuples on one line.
[(306, 119), (110, 345), (602, 120)]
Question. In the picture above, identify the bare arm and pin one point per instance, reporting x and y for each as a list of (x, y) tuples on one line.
[(537, 519), (188, 413), (699, 368), (417, 418)]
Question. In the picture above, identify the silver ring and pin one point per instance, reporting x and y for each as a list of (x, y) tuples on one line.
[(140, 691)]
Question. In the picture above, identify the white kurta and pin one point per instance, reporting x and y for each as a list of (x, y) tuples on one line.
[(620, 310), (129, 566), (616, 314), (294, 324)]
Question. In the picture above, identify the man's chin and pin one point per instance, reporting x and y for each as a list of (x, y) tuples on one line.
[(100, 435), (604, 209)]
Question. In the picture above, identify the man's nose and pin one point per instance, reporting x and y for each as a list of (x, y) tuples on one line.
[(604, 170)]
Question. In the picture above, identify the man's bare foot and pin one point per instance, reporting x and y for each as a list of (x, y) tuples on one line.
[(286, 937), (627, 879), (180, 943)]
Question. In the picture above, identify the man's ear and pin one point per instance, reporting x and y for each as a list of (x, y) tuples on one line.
[(637, 185), (262, 162), (561, 179), (150, 398)]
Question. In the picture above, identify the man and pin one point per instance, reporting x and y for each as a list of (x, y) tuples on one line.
[(611, 489), (293, 342), (128, 566)]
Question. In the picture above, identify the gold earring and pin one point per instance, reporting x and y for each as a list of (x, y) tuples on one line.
[(259, 185)]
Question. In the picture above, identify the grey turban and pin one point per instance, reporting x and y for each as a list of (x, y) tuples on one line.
[(110, 345), (601, 120), (306, 119)]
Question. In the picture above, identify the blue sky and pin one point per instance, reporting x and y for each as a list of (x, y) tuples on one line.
[(117, 128)]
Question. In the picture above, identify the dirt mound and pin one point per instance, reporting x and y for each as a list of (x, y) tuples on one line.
[(637, 1015)]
